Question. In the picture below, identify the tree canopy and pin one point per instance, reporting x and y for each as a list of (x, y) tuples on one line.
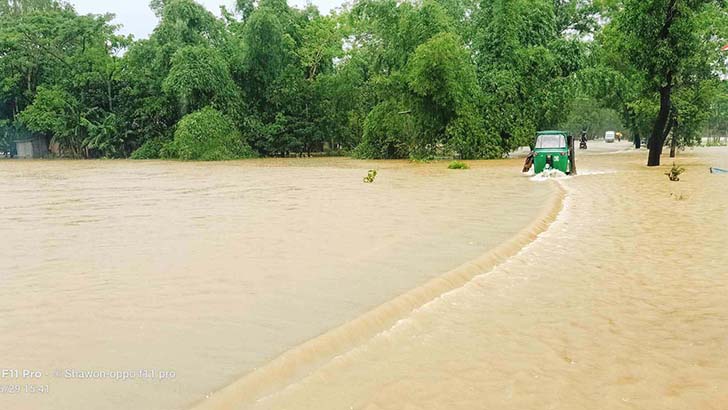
[(667, 59), (378, 79)]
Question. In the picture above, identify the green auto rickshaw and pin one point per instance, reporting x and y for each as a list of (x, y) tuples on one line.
[(553, 150)]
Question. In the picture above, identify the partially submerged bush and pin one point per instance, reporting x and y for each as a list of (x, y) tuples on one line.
[(387, 130), (371, 176), (149, 150), (458, 165), (468, 136), (337, 152), (675, 172), (206, 135)]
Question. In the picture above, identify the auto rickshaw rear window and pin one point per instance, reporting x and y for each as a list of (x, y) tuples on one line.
[(551, 141)]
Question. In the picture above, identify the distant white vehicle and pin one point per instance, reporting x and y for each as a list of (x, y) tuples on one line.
[(609, 136)]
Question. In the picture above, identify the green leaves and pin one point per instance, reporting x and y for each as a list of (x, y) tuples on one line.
[(666, 50), (396, 79), (206, 135), (200, 77), (53, 110), (389, 130), (104, 137), (269, 52), (526, 67), (57, 113), (321, 43), (186, 22), (441, 71), (468, 136), (58, 74)]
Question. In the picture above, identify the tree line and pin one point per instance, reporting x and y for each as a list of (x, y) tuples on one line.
[(376, 79)]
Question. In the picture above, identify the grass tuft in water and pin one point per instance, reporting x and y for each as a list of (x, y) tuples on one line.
[(458, 165)]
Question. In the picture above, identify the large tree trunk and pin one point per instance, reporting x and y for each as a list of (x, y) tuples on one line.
[(657, 138), (674, 137)]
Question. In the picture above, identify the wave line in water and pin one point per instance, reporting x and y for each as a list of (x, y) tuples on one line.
[(302, 359)]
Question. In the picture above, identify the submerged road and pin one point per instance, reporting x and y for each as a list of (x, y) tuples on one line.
[(620, 304), (189, 275)]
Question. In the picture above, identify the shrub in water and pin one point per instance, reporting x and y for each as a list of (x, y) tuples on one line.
[(675, 172), (371, 176), (458, 165), (386, 133), (206, 135), (469, 137), (149, 150)]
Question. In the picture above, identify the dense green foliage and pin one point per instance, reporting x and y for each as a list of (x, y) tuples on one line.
[(151, 149), (206, 135), (463, 79)]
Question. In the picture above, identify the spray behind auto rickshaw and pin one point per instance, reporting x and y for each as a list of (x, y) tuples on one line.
[(553, 151)]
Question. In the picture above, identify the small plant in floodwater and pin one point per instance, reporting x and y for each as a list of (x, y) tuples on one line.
[(458, 165), (371, 176), (679, 197), (675, 172)]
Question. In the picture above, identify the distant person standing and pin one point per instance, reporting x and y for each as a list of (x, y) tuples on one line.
[(637, 142)]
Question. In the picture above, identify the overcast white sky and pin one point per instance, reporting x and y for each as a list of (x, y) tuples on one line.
[(138, 19)]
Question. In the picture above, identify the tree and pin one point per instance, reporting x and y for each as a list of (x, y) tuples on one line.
[(663, 40), (388, 130), (526, 69), (56, 63), (20, 7), (199, 76), (151, 102), (269, 50), (56, 112), (717, 124), (386, 78), (321, 43), (468, 136), (442, 76), (690, 113), (410, 58)]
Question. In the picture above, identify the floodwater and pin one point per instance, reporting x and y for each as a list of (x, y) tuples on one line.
[(621, 303), (168, 281)]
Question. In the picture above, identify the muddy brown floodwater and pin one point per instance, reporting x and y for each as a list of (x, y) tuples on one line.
[(622, 303), (203, 272)]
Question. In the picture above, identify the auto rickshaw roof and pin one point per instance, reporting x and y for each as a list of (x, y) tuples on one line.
[(552, 132)]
